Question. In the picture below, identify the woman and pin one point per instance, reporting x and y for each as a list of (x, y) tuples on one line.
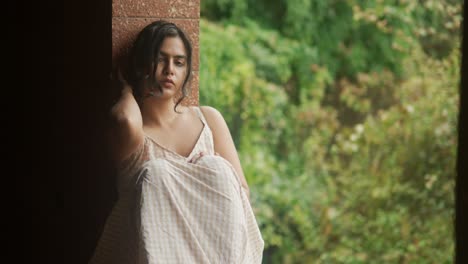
[(183, 197)]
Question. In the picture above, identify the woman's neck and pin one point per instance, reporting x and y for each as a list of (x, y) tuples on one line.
[(156, 112)]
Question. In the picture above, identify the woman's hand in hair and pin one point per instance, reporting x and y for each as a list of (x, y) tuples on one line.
[(127, 130)]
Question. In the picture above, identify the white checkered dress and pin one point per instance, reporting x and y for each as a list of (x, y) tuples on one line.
[(171, 210)]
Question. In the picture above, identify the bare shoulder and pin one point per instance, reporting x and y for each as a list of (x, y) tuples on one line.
[(218, 126), (209, 110), (213, 116), (223, 142)]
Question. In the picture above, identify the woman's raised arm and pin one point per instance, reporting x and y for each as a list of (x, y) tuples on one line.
[(126, 133)]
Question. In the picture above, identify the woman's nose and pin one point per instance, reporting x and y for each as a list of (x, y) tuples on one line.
[(169, 69)]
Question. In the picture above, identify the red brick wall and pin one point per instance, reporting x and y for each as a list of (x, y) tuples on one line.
[(130, 16)]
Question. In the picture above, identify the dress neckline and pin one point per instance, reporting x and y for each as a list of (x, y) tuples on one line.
[(195, 147)]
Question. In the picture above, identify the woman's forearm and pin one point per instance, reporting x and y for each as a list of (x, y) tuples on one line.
[(126, 109)]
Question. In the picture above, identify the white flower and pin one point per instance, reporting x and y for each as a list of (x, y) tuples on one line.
[(332, 212), (359, 128), (410, 109), (430, 179)]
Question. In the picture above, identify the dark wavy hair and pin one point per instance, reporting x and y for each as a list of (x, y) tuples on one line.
[(142, 62)]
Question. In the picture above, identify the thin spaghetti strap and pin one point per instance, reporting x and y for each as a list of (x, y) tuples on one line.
[(207, 143), (200, 115)]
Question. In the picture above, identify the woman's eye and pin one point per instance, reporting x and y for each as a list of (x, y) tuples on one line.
[(180, 63)]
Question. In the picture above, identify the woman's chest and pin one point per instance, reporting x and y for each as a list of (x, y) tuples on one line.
[(180, 139)]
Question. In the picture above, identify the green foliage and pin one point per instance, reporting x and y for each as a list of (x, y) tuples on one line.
[(395, 173), (344, 117), (351, 34)]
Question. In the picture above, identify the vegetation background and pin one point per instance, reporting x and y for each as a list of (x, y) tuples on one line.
[(344, 114)]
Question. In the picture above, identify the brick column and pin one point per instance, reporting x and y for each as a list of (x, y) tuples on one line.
[(130, 16)]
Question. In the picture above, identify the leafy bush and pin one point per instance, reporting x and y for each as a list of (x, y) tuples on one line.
[(349, 152)]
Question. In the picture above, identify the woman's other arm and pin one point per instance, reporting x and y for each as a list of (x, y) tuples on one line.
[(126, 134), (223, 143)]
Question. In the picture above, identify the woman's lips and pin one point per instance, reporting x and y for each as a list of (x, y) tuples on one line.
[(167, 83)]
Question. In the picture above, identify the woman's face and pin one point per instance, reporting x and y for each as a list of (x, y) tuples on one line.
[(172, 65)]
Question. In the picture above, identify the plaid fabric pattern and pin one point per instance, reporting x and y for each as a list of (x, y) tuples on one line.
[(173, 210)]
